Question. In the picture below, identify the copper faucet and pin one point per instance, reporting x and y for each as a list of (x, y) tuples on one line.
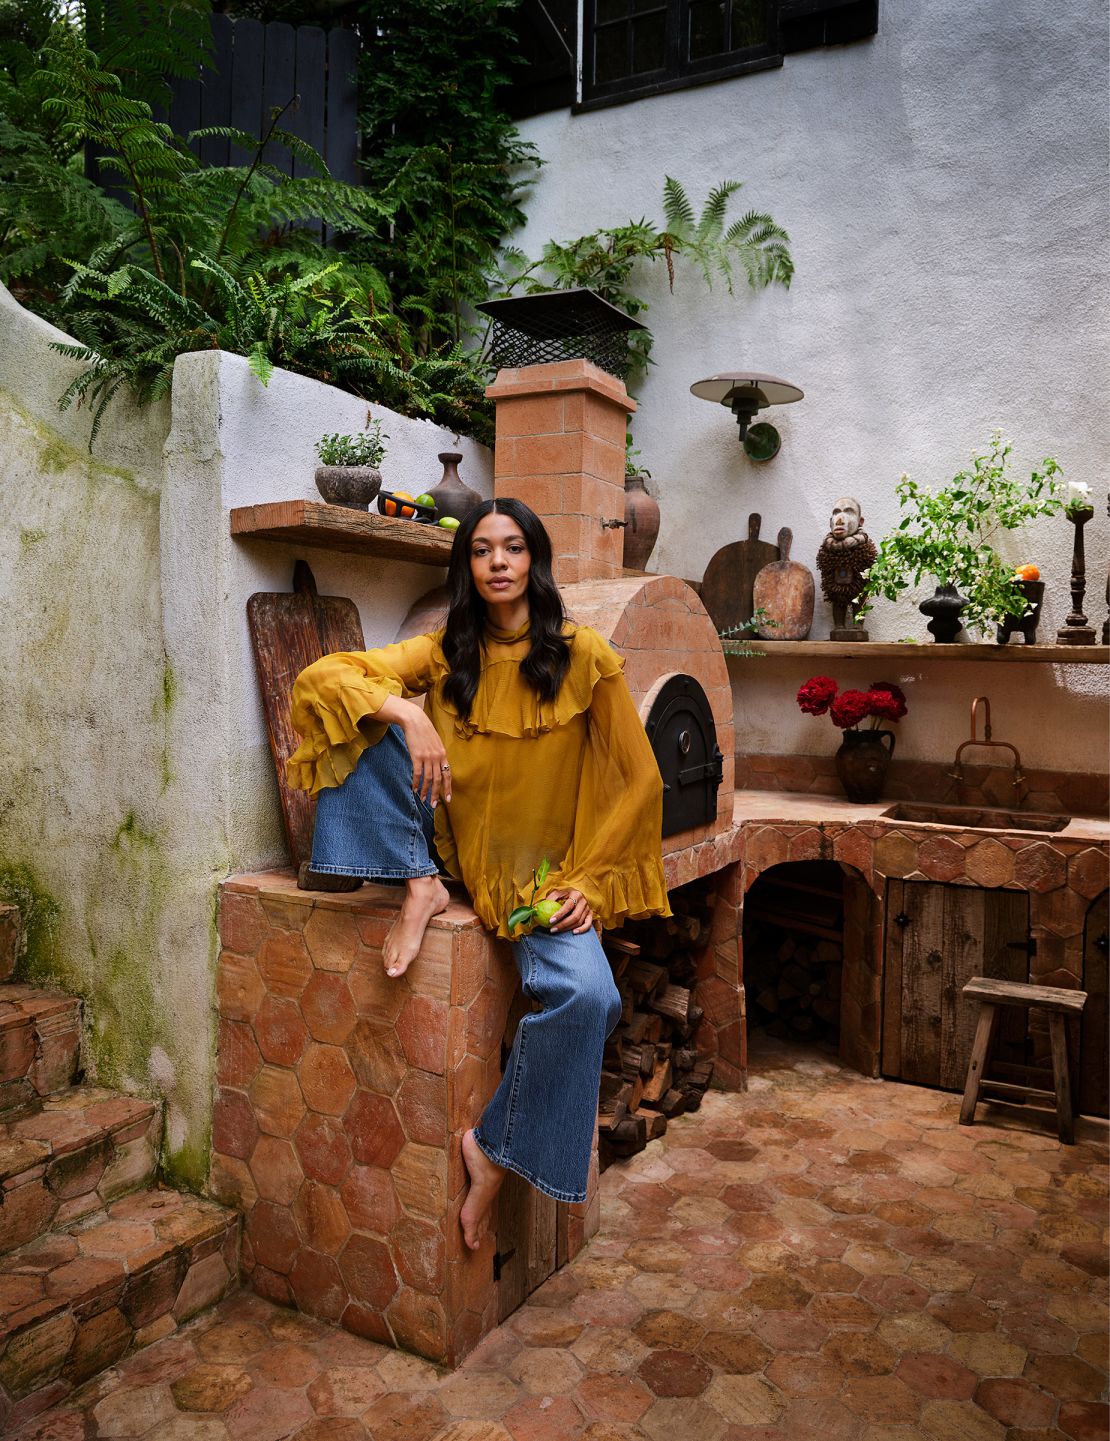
[(957, 773)]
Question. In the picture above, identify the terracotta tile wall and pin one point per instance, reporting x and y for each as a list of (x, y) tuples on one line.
[(1070, 792), (342, 1101)]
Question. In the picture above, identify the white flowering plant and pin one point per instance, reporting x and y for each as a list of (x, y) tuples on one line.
[(949, 534), (1079, 498)]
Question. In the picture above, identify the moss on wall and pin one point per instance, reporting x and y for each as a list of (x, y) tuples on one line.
[(87, 852), (39, 958)]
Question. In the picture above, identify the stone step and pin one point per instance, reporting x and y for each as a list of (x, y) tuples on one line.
[(40, 1042), (64, 1156), (72, 1303), (9, 940)]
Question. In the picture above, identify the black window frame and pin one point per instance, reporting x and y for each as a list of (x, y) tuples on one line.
[(544, 64), (678, 71)]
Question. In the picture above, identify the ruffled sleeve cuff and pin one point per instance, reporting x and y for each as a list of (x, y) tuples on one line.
[(335, 730), (633, 893)]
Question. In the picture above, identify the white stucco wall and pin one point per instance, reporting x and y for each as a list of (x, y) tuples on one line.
[(137, 769), (944, 187)]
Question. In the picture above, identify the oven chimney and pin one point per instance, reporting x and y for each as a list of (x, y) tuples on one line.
[(560, 449)]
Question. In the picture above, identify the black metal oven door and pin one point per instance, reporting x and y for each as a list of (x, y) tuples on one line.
[(684, 739)]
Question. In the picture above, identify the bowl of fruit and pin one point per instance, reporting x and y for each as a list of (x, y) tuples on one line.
[(400, 505)]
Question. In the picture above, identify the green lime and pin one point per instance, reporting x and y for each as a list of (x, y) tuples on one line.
[(426, 499), (448, 522), (545, 911)]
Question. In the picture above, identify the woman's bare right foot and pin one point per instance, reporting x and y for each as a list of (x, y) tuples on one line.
[(425, 897), (485, 1181)]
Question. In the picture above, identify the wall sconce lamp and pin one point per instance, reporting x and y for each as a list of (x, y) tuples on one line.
[(745, 393)]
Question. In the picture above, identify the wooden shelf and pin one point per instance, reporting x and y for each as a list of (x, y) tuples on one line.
[(1014, 653), (332, 527)]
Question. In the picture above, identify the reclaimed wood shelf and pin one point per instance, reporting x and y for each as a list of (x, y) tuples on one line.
[(332, 527), (885, 650)]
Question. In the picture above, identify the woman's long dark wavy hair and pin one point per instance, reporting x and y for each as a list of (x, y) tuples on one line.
[(546, 663)]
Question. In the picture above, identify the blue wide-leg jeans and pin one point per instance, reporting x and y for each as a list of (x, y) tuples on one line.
[(540, 1120)]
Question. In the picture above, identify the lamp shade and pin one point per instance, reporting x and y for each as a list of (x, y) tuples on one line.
[(723, 388)]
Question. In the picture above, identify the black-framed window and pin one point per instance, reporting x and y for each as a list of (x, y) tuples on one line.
[(641, 47), (636, 48)]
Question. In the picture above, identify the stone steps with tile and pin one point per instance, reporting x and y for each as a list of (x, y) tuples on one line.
[(40, 1044), (95, 1259), (64, 1156), (74, 1301)]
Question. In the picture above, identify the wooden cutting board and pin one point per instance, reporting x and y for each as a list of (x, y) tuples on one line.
[(784, 590), (726, 590), (290, 630)]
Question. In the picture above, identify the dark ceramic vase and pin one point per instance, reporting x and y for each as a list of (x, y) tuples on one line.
[(641, 523), (351, 486), (1023, 625), (452, 495), (944, 606), (862, 763)]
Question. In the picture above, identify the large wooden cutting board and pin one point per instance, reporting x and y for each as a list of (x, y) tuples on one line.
[(290, 630), (784, 590), (726, 590)]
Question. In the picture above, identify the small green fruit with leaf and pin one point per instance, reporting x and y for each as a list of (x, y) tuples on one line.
[(543, 912)]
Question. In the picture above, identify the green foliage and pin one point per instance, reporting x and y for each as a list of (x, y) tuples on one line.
[(365, 449), (610, 261), (442, 153), (222, 257), (948, 534)]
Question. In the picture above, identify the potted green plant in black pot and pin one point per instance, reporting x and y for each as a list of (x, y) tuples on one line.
[(348, 473), (948, 535)]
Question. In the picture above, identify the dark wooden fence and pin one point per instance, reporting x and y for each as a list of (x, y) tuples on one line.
[(259, 67)]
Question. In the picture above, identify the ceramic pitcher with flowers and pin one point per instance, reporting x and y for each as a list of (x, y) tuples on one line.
[(864, 755)]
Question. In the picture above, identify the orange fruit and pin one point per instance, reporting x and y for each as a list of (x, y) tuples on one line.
[(1027, 572), (392, 508)]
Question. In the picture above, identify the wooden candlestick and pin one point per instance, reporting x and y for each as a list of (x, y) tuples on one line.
[(1075, 630)]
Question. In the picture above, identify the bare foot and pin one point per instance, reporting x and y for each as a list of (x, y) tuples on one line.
[(425, 897), (485, 1181)]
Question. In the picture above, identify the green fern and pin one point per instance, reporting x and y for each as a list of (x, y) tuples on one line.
[(610, 261)]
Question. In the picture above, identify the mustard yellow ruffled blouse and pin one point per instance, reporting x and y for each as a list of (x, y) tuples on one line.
[(574, 780)]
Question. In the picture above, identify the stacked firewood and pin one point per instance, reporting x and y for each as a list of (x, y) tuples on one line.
[(794, 954), (652, 1070)]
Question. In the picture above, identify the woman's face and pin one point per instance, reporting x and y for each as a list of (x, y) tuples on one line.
[(499, 560)]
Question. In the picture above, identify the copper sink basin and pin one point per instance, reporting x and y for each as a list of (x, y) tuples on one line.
[(974, 818)]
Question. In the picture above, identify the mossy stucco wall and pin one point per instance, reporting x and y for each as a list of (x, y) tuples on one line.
[(136, 758)]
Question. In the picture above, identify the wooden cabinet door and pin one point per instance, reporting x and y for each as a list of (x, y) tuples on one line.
[(937, 938), (1093, 1062), (526, 1242)]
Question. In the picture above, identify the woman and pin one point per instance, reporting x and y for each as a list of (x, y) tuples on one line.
[(530, 738)]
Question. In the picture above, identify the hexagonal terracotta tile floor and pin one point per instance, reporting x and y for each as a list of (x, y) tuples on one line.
[(826, 1257)]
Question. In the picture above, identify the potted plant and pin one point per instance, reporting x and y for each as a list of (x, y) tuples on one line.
[(948, 535), (864, 755), (348, 473), (641, 511)]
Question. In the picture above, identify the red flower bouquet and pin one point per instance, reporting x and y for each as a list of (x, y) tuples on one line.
[(864, 755), (883, 701)]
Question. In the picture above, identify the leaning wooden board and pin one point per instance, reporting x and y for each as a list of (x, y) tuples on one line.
[(784, 590), (726, 590), (290, 630)]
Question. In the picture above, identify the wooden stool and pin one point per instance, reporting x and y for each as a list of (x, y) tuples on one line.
[(1059, 1004)]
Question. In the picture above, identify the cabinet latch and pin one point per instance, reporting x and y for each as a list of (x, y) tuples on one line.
[(499, 1259)]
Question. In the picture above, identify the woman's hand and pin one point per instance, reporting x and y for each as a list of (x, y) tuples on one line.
[(431, 775), (574, 914)]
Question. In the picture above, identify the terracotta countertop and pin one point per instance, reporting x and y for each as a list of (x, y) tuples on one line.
[(791, 806)]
